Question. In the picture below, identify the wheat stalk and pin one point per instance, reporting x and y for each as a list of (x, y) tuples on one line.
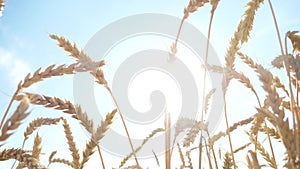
[(167, 123), (205, 101), (151, 135), (254, 163), (123, 122)]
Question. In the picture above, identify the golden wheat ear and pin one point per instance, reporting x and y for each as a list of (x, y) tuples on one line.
[(21, 156), (97, 135), (295, 39), (71, 143), (15, 120), (227, 163)]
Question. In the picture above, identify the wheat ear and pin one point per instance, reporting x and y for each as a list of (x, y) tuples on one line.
[(15, 120), (22, 157), (263, 152), (35, 124), (193, 132), (242, 33), (71, 143), (96, 137), (50, 102), (228, 163)]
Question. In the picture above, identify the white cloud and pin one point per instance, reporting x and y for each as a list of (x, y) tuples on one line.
[(14, 67)]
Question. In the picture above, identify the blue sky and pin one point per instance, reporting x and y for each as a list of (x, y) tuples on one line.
[(25, 45)]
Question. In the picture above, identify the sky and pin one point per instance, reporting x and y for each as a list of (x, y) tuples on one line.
[(25, 46)]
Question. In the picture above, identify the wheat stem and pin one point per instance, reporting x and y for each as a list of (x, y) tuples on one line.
[(167, 140), (296, 118), (287, 68), (204, 80), (10, 104), (228, 133), (124, 124), (100, 155), (271, 146)]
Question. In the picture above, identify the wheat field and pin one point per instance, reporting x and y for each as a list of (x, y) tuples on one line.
[(272, 131)]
